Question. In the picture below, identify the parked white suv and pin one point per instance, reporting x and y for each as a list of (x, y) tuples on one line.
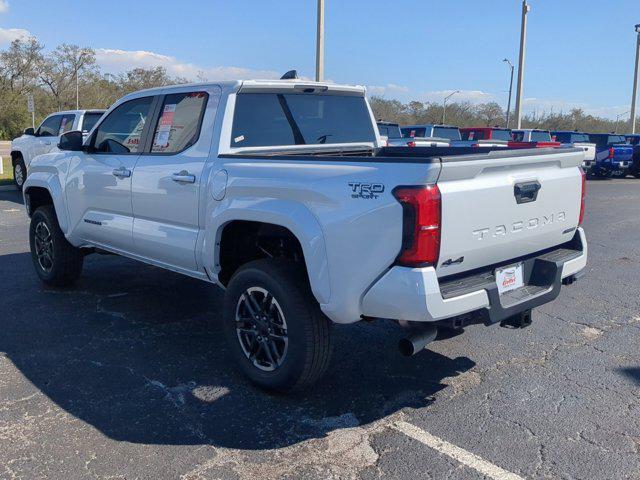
[(279, 192), (45, 139)]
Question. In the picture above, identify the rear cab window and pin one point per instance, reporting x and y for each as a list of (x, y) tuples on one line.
[(284, 119), (389, 131), (540, 136), (411, 132), (450, 133), (501, 134)]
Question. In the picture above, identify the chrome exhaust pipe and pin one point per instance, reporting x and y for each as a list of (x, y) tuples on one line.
[(418, 338)]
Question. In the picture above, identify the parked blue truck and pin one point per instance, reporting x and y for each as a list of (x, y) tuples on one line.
[(634, 140), (614, 156)]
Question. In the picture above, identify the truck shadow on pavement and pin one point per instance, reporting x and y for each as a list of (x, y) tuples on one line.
[(138, 353), (11, 196)]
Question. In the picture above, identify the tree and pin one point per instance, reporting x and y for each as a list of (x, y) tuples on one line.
[(491, 114), (62, 68), (141, 78)]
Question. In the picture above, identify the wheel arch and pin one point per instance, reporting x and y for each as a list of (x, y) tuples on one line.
[(283, 219), (42, 189)]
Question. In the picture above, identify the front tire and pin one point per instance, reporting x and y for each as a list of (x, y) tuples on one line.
[(57, 262), (19, 173), (274, 327)]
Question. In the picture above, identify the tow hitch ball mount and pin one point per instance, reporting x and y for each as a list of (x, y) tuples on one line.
[(519, 320)]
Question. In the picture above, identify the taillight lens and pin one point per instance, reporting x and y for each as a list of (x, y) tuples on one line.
[(411, 144), (421, 208), (583, 196), (611, 152)]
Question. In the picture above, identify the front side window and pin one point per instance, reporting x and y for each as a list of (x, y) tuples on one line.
[(50, 127), (179, 124), (121, 131), (270, 119)]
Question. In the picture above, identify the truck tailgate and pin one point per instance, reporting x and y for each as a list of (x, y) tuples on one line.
[(506, 204)]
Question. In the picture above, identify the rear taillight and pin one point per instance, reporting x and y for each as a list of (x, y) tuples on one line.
[(612, 151), (421, 208), (582, 196), (411, 144)]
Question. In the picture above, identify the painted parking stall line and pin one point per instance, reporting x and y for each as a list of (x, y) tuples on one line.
[(466, 458)]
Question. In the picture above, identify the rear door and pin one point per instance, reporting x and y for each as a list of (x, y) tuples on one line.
[(167, 182), (503, 205)]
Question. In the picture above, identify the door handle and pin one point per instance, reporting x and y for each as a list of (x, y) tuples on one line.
[(526, 192), (183, 177), (121, 172), (47, 142)]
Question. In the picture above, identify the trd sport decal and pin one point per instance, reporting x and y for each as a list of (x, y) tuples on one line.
[(366, 190)]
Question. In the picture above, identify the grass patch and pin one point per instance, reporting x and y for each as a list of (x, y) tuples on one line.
[(6, 177)]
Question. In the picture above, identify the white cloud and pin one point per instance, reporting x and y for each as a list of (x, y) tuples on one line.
[(472, 96), (390, 89), (548, 105), (8, 35), (4, 6), (118, 61)]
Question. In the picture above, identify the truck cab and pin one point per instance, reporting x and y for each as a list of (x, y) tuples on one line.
[(486, 136), (577, 139), (634, 140), (532, 138), (45, 138), (430, 135)]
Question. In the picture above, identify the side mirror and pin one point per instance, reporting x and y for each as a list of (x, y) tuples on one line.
[(29, 131), (71, 141)]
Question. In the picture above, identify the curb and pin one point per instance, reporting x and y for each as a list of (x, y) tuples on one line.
[(8, 188)]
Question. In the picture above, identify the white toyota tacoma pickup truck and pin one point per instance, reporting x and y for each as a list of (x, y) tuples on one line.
[(46, 137), (279, 192)]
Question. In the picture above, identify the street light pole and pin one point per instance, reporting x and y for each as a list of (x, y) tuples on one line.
[(320, 43), (444, 104), (77, 93), (635, 84), (523, 44), (511, 67)]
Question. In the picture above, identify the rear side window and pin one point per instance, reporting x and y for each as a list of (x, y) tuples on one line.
[(614, 139), (89, 121), (270, 119), (413, 132), (540, 136), (446, 132), (178, 127), (66, 124), (120, 132), (50, 127), (579, 138)]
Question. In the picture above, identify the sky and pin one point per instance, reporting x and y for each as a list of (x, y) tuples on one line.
[(580, 54)]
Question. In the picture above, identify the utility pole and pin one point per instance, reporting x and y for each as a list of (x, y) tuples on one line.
[(511, 67), (77, 93), (618, 119), (635, 83), (523, 45), (320, 43), (444, 104)]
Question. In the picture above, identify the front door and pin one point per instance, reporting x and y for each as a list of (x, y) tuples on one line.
[(167, 182), (99, 182)]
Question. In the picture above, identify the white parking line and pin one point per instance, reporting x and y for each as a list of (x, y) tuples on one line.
[(466, 458)]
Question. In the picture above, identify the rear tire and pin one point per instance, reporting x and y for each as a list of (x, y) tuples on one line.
[(57, 262), (274, 327), (19, 173)]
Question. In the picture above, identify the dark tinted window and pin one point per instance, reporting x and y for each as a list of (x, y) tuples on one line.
[(633, 140), (179, 124), (540, 136), (269, 119), (562, 137), (517, 136), (498, 134), (472, 134), (579, 138), (613, 139), (50, 127), (390, 131), (120, 132), (446, 132), (89, 121), (410, 132)]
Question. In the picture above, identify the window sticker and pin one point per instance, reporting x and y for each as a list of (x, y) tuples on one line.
[(238, 139), (164, 127)]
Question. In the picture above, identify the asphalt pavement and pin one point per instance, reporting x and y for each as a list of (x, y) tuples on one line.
[(127, 376)]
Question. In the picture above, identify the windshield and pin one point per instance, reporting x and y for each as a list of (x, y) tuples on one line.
[(540, 136), (411, 132), (452, 133), (633, 140), (613, 139), (270, 119), (89, 120)]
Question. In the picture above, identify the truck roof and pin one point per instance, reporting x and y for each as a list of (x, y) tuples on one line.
[(78, 112)]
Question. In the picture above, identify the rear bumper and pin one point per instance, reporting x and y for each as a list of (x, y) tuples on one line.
[(416, 294)]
